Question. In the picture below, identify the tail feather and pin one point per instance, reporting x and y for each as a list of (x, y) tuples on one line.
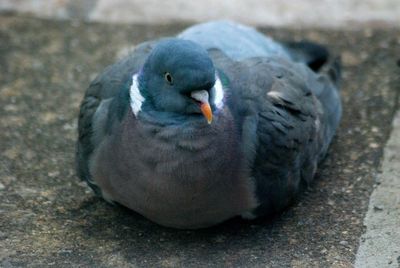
[(335, 71), (312, 54)]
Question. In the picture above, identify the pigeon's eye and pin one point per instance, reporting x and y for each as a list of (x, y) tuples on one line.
[(168, 78)]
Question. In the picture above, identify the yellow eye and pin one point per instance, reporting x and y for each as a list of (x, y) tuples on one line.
[(168, 78)]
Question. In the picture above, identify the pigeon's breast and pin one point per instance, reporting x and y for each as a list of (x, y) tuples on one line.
[(187, 175)]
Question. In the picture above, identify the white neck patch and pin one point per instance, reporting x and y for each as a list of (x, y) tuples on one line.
[(136, 98), (219, 93)]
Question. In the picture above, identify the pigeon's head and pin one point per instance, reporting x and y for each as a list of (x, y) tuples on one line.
[(178, 76)]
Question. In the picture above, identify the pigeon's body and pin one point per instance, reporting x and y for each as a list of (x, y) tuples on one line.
[(147, 146)]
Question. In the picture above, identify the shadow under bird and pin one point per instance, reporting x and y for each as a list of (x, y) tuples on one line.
[(217, 122)]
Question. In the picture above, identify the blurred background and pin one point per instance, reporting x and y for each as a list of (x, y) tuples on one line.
[(315, 13)]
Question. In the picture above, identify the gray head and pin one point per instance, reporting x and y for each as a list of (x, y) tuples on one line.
[(177, 77)]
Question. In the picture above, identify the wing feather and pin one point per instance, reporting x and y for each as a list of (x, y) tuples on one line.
[(105, 101)]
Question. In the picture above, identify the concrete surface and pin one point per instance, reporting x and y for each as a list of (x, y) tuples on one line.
[(49, 218), (327, 13), (380, 245)]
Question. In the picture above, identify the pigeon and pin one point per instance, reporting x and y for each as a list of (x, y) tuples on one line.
[(219, 121)]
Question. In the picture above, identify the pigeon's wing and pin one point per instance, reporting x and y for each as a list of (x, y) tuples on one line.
[(287, 115), (240, 42), (236, 40), (106, 99)]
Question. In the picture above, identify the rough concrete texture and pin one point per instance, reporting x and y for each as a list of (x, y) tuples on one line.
[(380, 245), (49, 218), (327, 13)]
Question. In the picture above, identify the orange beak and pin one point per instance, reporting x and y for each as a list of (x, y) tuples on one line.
[(206, 110), (202, 97)]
